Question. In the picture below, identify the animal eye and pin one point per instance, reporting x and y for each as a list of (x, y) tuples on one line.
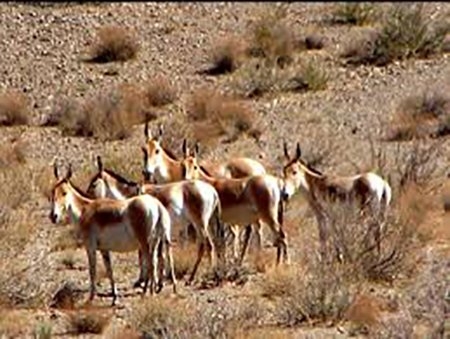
[(157, 151), (195, 168), (294, 172)]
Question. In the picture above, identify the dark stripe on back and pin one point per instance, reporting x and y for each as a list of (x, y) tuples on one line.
[(169, 153), (119, 178), (205, 170)]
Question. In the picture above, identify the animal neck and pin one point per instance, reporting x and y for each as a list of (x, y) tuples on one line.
[(75, 204), (170, 171)]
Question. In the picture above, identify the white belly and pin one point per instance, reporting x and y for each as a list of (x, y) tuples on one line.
[(117, 238)]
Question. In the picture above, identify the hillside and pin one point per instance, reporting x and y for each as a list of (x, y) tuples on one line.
[(384, 108)]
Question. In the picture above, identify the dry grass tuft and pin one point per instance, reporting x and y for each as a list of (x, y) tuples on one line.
[(161, 317), (87, 321), (422, 116), (114, 43), (12, 323), (226, 55), (360, 13), (107, 116), (13, 109), (184, 259), (160, 91), (214, 115), (406, 32)]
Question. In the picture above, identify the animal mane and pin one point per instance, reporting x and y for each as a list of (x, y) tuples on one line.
[(203, 168), (79, 191), (169, 153), (120, 179)]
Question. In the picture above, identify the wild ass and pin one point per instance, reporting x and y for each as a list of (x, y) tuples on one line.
[(141, 222), (194, 202), (163, 167), (369, 190), (245, 201)]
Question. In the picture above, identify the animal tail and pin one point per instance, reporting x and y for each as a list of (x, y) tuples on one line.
[(387, 194), (220, 227), (281, 211)]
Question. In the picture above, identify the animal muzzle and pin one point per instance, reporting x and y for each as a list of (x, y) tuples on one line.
[(147, 175), (53, 217)]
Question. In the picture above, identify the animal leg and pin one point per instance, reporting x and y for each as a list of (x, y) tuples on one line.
[(201, 251), (247, 233), (161, 266), (92, 259), (154, 249), (107, 262), (235, 230), (169, 255), (146, 265), (139, 281)]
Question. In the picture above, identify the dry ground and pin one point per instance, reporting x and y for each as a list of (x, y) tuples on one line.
[(44, 50)]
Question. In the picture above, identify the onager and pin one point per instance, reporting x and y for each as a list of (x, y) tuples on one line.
[(369, 190), (162, 167), (195, 202), (245, 201), (141, 222)]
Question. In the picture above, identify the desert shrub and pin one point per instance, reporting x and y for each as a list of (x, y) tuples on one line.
[(271, 37), (397, 325), (226, 55), (13, 109), (114, 43), (177, 318), (364, 313), (312, 41), (319, 292), (160, 91), (107, 116), (87, 321), (415, 166), (260, 78), (65, 296), (214, 114), (406, 32), (360, 13), (423, 115)]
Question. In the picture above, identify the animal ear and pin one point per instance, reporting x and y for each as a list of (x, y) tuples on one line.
[(99, 163), (160, 132), (298, 151), (55, 170), (147, 133), (185, 148), (196, 149), (144, 150), (285, 149), (69, 172)]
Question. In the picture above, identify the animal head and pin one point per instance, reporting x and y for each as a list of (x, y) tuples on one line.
[(293, 172), (60, 196), (191, 168), (153, 152)]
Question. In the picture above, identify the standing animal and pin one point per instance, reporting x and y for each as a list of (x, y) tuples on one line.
[(245, 201), (141, 222), (369, 190), (193, 201), (163, 167)]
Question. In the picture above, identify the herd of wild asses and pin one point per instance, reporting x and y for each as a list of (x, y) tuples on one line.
[(119, 215)]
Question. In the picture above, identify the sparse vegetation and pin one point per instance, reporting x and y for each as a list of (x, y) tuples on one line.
[(360, 13), (160, 91), (114, 43), (421, 116), (13, 108), (43, 331), (271, 38), (107, 116), (226, 56), (406, 32), (214, 114)]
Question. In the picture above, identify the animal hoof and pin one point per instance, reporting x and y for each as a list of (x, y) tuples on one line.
[(158, 288), (137, 283)]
